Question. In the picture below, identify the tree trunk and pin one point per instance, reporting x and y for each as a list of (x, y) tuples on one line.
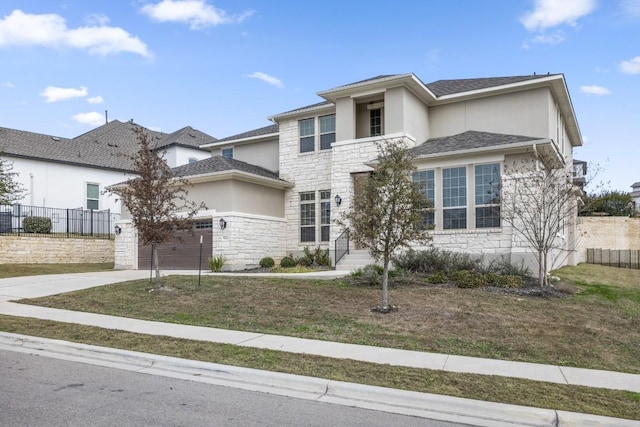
[(385, 284), (541, 269), (156, 264)]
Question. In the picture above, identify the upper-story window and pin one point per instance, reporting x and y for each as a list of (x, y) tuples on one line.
[(327, 131), (227, 153), (192, 160), (307, 135), (375, 122)]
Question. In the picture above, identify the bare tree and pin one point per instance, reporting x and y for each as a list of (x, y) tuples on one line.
[(156, 200), (539, 203), (10, 189), (388, 213)]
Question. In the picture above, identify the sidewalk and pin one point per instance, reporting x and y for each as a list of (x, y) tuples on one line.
[(29, 287)]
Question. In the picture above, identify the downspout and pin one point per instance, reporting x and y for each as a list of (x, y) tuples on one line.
[(535, 153)]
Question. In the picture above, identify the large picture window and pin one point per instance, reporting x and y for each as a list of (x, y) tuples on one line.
[(307, 135), (308, 217), (327, 131), (454, 198), (487, 195), (427, 184)]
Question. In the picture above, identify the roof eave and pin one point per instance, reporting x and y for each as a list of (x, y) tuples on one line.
[(301, 112), (239, 175), (516, 146), (241, 140)]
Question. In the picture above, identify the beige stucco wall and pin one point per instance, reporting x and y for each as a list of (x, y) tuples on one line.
[(523, 113), (262, 153), (607, 233), (48, 250)]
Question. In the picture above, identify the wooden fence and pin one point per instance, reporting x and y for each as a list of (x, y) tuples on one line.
[(626, 258)]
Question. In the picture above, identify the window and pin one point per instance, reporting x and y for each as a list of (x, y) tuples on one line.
[(307, 135), (203, 224), (308, 217), (375, 122), (487, 195), (427, 183), (192, 160), (454, 198), (93, 196), (327, 131), (227, 153), (325, 215)]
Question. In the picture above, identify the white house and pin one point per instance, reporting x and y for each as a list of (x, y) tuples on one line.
[(278, 189), (73, 173)]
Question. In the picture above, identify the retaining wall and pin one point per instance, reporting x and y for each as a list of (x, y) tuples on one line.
[(48, 250)]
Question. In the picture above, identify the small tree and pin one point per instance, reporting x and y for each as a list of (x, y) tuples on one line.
[(156, 200), (10, 189), (388, 213), (538, 203)]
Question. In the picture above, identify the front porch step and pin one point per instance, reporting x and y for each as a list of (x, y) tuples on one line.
[(354, 260)]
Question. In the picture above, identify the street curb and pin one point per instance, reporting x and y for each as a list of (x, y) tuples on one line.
[(425, 405)]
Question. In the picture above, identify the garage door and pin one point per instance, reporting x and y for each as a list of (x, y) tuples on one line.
[(182, 252)]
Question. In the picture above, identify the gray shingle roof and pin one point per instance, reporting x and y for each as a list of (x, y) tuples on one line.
[(467, 141), (110, 146), (222, 164), (306, 107), (449, 87), (253, 133)]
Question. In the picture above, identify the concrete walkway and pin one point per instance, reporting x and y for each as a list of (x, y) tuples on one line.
[(36, 286)]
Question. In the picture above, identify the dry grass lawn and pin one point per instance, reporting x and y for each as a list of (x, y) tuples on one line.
[(599, 327)]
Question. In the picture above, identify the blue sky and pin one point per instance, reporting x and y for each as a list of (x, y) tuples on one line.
[(225, 66)]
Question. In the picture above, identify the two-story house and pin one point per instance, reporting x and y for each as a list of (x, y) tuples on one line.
[(307, 165)]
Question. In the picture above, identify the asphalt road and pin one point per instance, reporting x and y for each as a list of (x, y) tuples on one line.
[(40, 391)]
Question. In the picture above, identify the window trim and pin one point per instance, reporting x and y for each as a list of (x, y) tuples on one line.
[(379, 125), (483, 206), (87, 198), (227, 149), (307, 137), (309, 203), (321, 133), (447, 223), (325, 220)]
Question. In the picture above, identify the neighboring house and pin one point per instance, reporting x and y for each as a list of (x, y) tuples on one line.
[(74, 172), (306, 167), (635, 195)]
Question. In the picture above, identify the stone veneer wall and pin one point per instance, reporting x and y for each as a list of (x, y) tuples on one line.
[(249, 238), (50, 250), (613, 232), (126, 247)]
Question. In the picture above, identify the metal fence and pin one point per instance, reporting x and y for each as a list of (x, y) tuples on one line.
[(626, 258), (24, 220)]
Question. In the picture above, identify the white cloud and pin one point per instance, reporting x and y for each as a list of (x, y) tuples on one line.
[(197, 13), (95, 100), (93, 118), (631, 7), (595, 90), (551, 13), (632, 66), (55, 94), (267, 78), (8, 84), (50, 30), (556, 38)]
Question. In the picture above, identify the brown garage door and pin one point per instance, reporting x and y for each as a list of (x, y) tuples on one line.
[(179, 254)]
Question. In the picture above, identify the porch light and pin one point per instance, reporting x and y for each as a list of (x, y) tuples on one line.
[(223, 224), (117, 230), (338, 199)]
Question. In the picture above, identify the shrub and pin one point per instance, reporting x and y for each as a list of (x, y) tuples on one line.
[(267, 262), (468, 279), (216, 262), (288, 262), (371, 275), (438, 278), (37, 224), (304, 261), (321, 257), (508, 281), (433, 260), (506, 267)]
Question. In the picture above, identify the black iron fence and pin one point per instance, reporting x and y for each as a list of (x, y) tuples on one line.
[(626, 258), (24, 220)]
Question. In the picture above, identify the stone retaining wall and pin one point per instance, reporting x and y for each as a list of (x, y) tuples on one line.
[(613, 232), (49, 250)]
